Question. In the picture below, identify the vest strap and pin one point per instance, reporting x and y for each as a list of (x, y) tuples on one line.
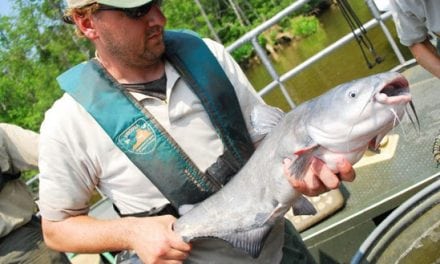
[(136, 132), (210, 83)]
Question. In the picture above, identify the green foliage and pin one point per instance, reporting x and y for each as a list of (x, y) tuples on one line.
[(227, 24), (35, 47), (303, 26), (242, 53), (246, 51)]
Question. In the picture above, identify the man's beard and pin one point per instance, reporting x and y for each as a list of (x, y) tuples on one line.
[(131, 56)]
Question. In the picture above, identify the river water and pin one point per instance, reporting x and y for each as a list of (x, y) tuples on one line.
[(343, 65)]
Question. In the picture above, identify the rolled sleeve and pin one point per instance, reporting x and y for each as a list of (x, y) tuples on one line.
[(410, 19), (65, 182)]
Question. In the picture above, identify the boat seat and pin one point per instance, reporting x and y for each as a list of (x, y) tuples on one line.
[(326, 204)]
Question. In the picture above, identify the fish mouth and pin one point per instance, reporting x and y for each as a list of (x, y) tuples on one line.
[(395, 91)]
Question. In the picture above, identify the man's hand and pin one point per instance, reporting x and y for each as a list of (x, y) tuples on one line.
[(152, 238), (154, 241), (319, 178)]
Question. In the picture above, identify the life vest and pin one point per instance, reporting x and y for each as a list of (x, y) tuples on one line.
[(138, 134)]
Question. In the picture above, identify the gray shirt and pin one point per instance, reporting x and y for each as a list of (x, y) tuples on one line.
[(414, 19), (18, 152)]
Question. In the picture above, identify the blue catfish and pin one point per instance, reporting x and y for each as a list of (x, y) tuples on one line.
[(342, 122)]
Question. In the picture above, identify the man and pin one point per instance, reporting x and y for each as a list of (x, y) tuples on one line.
[(415, 20), (21, 239), (155, 119)]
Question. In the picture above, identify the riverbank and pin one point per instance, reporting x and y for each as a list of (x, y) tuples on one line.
[(293, 29)]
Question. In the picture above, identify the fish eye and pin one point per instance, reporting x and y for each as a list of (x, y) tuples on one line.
[(352, 94)]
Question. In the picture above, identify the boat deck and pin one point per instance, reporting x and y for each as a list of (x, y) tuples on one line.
[(383, 185)]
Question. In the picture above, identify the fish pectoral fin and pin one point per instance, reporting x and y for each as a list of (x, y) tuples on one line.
[(251, 241), (300, 164), (302, 206), (302, 158)]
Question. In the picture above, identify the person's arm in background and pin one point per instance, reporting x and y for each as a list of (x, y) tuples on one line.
[(21, 147), (18, 152), (426, 55), (410, 18)]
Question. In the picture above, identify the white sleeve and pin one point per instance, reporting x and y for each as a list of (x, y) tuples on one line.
[(66, 181), (409, 19), (18, 148)]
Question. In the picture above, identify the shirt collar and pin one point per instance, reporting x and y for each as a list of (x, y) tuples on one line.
[(172, 78)]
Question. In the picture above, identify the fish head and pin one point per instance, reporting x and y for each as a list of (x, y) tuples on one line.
[(354, 115)]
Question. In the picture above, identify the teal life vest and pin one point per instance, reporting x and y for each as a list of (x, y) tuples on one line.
[(138, 134)]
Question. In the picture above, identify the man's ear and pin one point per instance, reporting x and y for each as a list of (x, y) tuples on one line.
[(86, 25)]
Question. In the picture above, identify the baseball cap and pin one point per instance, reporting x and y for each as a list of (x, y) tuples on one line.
[(115, 3)]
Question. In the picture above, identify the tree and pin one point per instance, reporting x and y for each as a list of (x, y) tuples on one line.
[(35, 47), (208, 22)]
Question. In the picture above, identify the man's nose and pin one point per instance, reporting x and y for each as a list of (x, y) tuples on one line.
[(155, 17)]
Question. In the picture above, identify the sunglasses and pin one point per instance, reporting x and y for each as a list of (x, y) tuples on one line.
[(135, 12)]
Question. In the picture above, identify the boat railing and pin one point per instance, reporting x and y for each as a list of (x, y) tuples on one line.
[(277, 79)]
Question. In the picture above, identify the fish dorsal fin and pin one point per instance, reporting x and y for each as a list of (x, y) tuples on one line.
[(302, 206), (263, 118), (251, 241)]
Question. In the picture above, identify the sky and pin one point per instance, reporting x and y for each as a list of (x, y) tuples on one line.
[(5, 7)]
